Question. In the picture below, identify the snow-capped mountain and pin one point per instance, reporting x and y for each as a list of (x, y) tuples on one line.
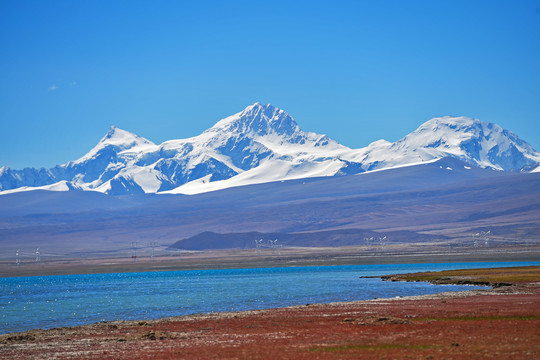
[(479, 143), (261, 144)]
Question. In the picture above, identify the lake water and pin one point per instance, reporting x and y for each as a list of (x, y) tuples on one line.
[(56, 301)]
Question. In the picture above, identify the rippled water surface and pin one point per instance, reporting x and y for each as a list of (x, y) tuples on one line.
[(56, 301)]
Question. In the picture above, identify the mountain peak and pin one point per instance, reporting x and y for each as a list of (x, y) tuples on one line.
[(480, 143), (117, 139), (259, 120), (123, 138), (259, 107)]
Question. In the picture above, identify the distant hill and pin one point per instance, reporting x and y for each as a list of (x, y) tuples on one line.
[(447, 199), (347, 237)]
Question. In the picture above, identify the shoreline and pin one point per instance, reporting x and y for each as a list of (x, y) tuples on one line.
[(476, 324), (238, 259), (227, 314), (243, 313)]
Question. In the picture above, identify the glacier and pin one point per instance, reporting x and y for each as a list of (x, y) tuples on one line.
[(261, 144)]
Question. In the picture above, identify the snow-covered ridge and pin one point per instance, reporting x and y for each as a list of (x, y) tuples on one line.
[(119, 139), (480, 143), (263, 143)]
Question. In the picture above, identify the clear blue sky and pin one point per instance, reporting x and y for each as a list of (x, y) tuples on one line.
[(357, 71)]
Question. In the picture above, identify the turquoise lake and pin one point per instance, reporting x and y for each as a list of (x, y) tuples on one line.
[(57, 301)]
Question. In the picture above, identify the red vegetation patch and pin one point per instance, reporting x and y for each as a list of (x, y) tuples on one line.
[(501, 324)]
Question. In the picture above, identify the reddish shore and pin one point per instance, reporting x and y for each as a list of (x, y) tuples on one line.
[(502, 323)]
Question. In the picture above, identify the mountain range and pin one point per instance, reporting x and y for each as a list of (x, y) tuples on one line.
[(263, 144), (443, 201)]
